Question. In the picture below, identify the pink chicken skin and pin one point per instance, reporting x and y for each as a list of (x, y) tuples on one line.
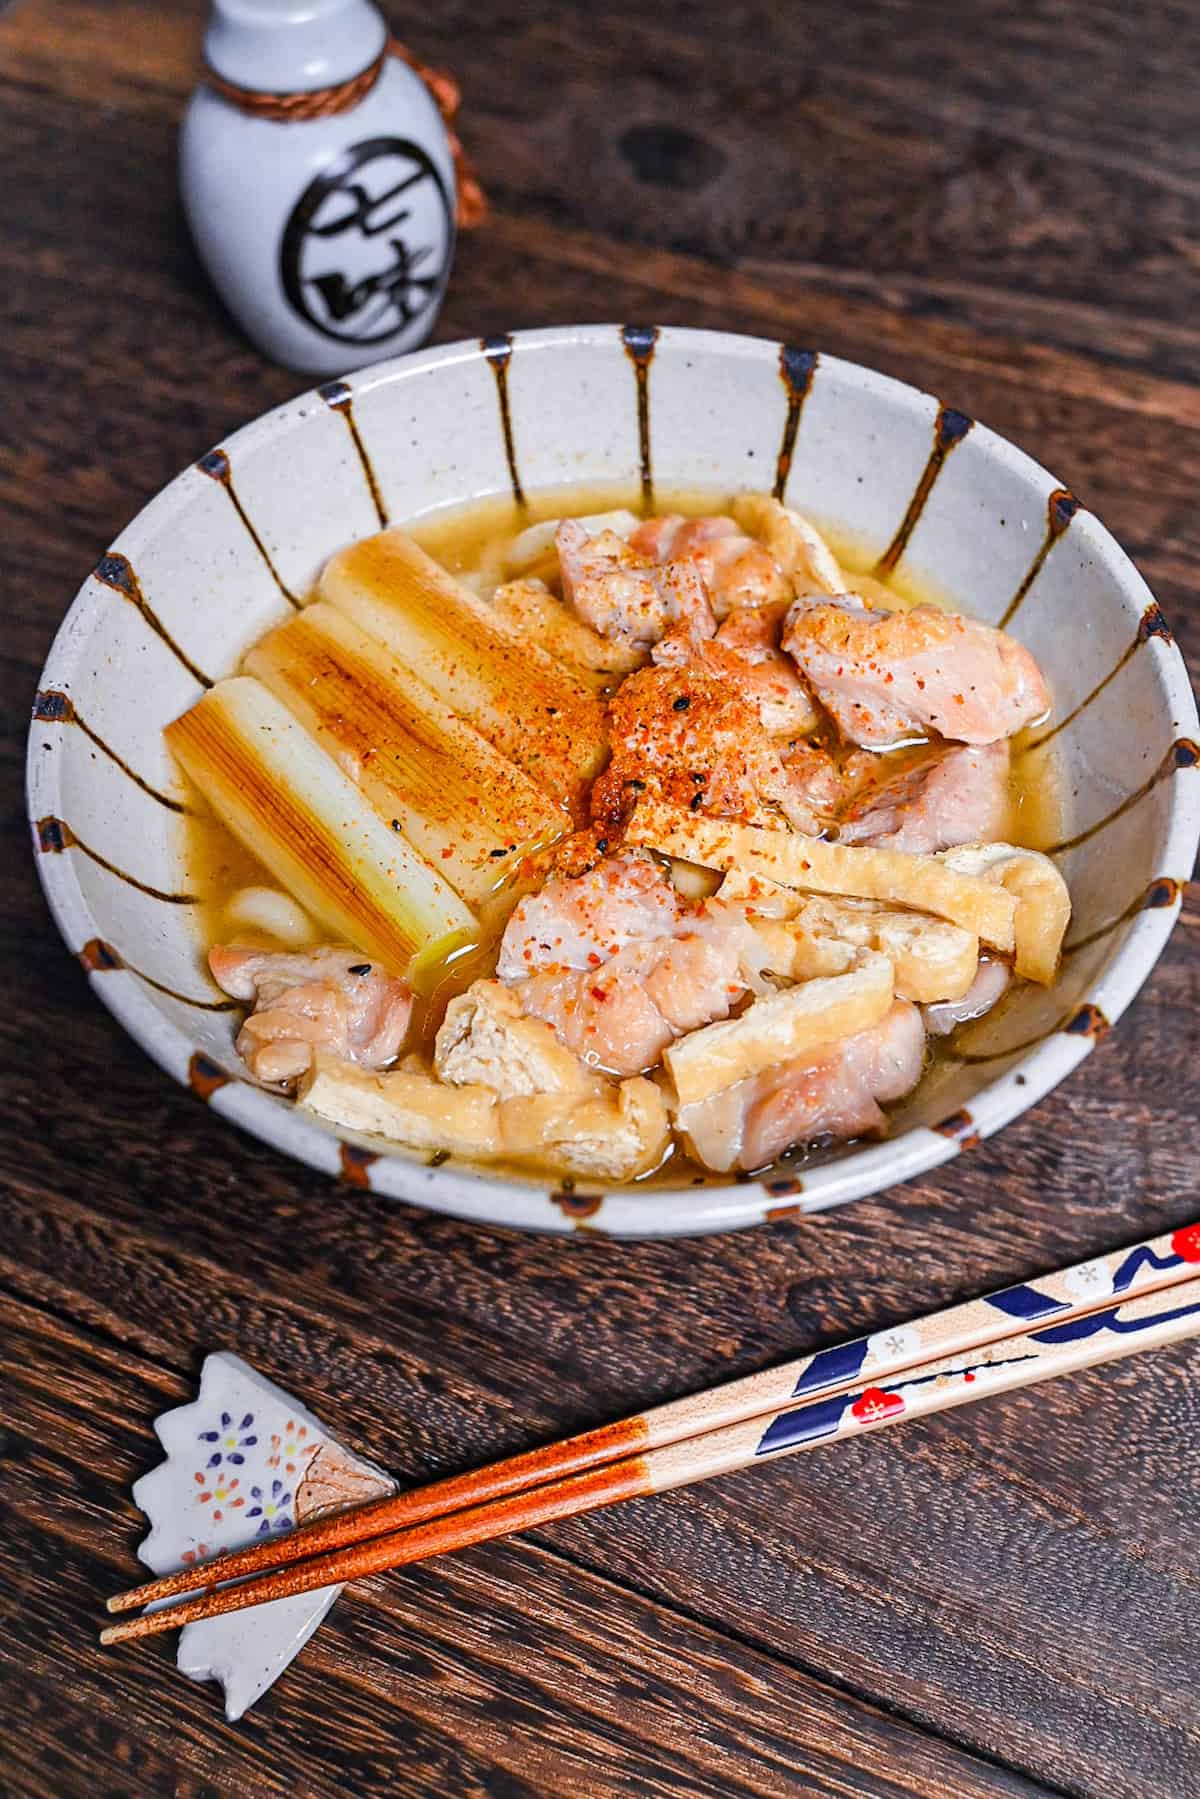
[(329, 998), (582, 921), (620, 1018), (889, 677), (930, 799), (837, 1094), (697, 741), (737, 570), (619, 966), (945, 797), (625, 596), (745, 654)]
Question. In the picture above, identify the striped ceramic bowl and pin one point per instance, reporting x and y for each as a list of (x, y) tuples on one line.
[(226, 549)]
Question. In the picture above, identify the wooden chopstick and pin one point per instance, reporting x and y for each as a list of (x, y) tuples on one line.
[(1145, 1267), (1082, 1338)]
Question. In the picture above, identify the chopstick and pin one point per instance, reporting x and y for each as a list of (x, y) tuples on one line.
[(1022, 1359), (1144, 1267), (1062, 1337)]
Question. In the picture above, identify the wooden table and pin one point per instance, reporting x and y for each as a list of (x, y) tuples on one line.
[(1003, 205)]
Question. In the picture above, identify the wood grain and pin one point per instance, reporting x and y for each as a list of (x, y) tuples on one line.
[(527, 1671), (1005, 210)]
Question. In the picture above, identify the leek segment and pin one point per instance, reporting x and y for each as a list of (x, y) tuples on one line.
[(290, 804), (468, 810), (531, 708)]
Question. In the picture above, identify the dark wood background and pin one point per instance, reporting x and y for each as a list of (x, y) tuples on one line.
[(1000, 202)]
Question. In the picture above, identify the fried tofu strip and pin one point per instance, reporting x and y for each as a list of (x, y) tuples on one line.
[(615, 1134), (526, 704), (467, 809), (293, 807), (486, 1038), (809, 935), (531, 608), (1041, 896), (796, 546), (924, 883), (406, 1105), (781, 1027)]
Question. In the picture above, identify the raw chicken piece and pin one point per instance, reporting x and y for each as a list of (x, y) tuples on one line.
[(736, 569), (582, 922), (745, 652), (625, 596), (891, 676), (836, 1095), (696, 741), (942, 798), (328, 999), (989, 986)]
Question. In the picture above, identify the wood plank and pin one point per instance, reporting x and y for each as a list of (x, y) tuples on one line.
[(982, 182), (521, 1673), (1007, 213), (1120, 436), (359, 1332)]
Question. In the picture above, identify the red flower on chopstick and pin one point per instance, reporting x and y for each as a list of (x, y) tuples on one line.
[(875, 1404), (1186, 1243)]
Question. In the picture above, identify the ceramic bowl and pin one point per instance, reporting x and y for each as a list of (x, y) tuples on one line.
[(223, 551)]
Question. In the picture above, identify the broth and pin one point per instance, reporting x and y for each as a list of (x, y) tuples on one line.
[(465, 540), (216, 865)]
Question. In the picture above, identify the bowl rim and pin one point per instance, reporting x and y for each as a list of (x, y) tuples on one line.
[(630, 1211)]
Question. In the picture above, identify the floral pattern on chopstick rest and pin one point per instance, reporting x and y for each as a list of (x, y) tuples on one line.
[(243, 1461)]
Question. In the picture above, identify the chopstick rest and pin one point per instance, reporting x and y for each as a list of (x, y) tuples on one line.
[(244, 1463), (1141, 1297)]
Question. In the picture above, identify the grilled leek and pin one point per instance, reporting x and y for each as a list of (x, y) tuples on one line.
[(293, 807), (528, 706), (468, 810)]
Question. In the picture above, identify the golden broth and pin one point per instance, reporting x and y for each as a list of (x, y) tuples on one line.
[(215, 867), (462, 537), (466, 538)]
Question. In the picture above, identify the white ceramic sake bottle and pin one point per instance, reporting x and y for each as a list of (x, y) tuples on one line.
[(318, 182)]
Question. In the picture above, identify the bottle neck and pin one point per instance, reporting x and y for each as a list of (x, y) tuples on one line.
[(292, 46)]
